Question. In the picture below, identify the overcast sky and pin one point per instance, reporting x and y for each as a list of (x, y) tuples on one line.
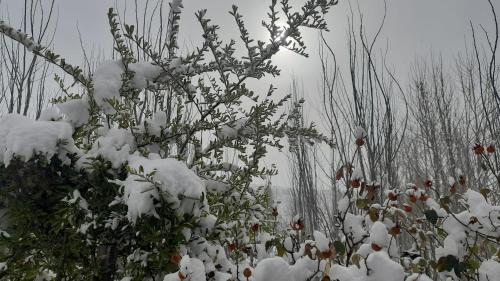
[(413, 29)]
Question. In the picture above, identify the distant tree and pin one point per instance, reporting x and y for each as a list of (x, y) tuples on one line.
[(23, 76)]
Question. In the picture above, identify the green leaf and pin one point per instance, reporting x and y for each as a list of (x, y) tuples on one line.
[(473, 265), (448, 263), (431, 216), (373, 213), (459, 267), (339, 247), (361, 203)]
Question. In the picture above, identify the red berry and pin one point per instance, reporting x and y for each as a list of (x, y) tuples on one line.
[(392, 196), (396, 230), (428, 183), (376, 247), (407, 208), (473, 220), (247, 272), (255, 227), (461, 180), (478, 149), (490, 148), (413, 198), (175, 259), (360, 142), (339, 174), (297, 225), (355, 183), (231, 246), (453, 189)]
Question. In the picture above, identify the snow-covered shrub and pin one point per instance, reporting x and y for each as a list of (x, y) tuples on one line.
[(408, 233), (126, 178)]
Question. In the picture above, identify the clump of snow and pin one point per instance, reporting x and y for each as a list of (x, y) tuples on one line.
[(322, 243), (380, 266), (207, 223), (276, 269), (107, 81), (217, 186), (156, 124), (357, 173), (431, 203), (304, 269), (76, 198), (20, 36), (191, 269), (489, 270), (50, 114), (343, 204), (359, 132), (144, 73), (487, 217), (181, 188), (23, 137), (234, 129), (45, 275), (379, 234), (75, 111), (114, 146), (288, 244), (176, 6), (353, 225)]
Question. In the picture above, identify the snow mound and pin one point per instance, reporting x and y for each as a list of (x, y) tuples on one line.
[(380, 265), (171, 180), (191, 269), (23, 137), (276, 269), (489, 270), (114, 146)]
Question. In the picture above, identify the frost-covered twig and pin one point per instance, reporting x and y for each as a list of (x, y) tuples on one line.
[(44, 52)]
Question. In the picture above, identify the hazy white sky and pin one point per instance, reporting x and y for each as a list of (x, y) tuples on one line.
[(413, 28)]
